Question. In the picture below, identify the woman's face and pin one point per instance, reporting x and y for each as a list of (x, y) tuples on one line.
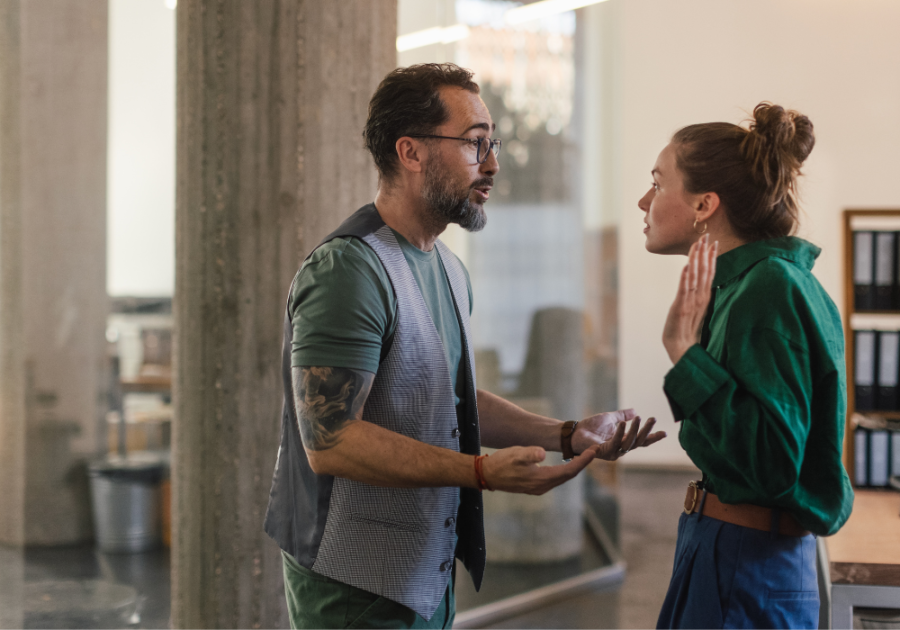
[(669, 214)]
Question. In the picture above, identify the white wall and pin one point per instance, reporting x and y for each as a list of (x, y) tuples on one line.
[(693, 61), (141, 150)]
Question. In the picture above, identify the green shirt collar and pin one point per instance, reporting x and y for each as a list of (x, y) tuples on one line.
[(733, 263)]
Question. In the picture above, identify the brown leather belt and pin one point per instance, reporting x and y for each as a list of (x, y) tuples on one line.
[(743, 514)]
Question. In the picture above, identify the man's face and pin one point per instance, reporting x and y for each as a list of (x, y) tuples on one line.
[(456, 186)]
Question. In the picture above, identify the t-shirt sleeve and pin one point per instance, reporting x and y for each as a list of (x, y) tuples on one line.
[(342, 307)]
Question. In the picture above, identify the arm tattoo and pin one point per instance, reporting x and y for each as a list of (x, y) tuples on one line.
[(327, 400)]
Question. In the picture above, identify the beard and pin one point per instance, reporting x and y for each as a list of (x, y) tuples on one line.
[(448, 201)]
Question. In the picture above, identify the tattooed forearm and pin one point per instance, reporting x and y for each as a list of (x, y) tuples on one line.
[(327, 400)]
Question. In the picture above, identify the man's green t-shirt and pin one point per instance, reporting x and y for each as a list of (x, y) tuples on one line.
[(344, 309)]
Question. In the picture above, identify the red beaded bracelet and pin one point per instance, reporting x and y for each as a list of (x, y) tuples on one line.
[(479, 473)]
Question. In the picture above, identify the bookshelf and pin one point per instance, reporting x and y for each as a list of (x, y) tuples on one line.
[(880, 320)]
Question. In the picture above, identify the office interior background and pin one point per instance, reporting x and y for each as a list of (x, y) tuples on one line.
[(568, 305)]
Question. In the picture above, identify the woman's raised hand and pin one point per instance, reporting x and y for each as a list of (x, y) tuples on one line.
[(682, 329)]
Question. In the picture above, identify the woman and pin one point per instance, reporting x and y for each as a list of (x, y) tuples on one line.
[(758, 376)]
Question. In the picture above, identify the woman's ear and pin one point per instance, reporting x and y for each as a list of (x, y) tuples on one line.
[(706, 206)]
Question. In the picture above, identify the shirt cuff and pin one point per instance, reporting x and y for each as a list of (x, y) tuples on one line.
[(692, 381)]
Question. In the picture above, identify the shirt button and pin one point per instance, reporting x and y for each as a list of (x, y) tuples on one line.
[(455, 433), (449, 522), (445, 566)]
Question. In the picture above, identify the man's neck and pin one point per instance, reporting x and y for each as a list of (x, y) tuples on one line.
[(405, 213)]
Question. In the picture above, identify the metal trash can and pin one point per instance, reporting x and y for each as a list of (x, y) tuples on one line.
[(126, 502)]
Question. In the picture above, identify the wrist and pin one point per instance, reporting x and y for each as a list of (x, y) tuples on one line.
[(677, 351), (566, 432), (480, 480)]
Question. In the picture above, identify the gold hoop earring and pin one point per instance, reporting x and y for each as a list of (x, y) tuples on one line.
[(703, 231)]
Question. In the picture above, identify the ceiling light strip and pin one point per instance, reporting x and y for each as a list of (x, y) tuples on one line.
[(429, 36), (545, 8)]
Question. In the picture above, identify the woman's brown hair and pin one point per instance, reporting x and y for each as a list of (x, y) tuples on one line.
[(754, 171)]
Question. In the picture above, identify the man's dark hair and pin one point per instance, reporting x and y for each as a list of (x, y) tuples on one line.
[(407, 102)]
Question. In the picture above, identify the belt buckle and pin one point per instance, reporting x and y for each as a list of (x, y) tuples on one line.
[(696, 486)]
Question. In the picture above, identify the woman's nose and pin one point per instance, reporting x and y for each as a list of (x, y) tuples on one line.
[(644, 202)]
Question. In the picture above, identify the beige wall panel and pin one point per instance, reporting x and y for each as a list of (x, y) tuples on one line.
[(679, 63)]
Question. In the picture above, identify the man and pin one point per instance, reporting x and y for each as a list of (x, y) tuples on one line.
[(377, 485)]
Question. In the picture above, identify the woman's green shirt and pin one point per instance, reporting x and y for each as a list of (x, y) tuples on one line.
[(763, 396)]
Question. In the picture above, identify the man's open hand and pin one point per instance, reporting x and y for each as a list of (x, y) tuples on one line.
[(611, 433), (518, 469)]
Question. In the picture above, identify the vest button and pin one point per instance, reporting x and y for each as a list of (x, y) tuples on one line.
[(449, 522), (445, 566), (455, 433)]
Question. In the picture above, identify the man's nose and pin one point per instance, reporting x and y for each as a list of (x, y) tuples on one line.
[(490, 166)]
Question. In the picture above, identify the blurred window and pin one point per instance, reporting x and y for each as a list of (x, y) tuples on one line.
[(543, 270)]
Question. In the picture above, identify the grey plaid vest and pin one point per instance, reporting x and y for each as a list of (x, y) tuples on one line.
[(394, 542)]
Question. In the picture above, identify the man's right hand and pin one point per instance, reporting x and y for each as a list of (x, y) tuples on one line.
[(329, 403), (517, 469)]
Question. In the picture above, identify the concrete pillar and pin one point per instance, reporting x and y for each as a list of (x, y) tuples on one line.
[(272, 98), (53, 302)]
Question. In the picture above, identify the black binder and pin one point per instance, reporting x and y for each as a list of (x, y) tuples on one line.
[(864, 369), (879, 458), (885, 265), (888, 370), (895, 453), (895, 294), (860, 457), (863, 270)]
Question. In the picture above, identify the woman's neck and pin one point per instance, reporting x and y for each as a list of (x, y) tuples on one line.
[(727, 241)]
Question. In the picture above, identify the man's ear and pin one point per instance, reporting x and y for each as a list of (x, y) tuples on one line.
[(411, 154), (706, 206)]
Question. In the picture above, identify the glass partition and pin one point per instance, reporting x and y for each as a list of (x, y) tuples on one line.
[(544, 268)]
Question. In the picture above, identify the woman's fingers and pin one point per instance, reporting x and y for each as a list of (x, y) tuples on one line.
[(692, 265), (703, 262), (685, 280), (685, 319)]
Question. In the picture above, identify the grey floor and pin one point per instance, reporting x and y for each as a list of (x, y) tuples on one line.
[(37, 587), (650, 504)]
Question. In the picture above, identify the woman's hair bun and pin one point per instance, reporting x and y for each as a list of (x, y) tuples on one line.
[(776, 145), (753, 170), (785, 131)]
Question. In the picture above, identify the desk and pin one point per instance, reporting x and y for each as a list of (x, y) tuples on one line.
[(153, 384), (864, 557)]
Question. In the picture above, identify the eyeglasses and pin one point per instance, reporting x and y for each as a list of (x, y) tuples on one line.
[(483, 145)]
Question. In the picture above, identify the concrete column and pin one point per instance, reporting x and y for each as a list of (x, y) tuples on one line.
[(53, 303), (272, 97)]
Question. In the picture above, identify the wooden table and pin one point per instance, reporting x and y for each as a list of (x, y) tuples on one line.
[(864, 557), (157, 384)]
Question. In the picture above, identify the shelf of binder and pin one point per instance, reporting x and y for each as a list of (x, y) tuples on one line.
[(876, 370), (872, 338), (875, 271), (876, 450)]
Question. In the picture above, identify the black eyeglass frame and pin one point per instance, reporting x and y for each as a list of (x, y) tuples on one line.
[(492, 142)]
